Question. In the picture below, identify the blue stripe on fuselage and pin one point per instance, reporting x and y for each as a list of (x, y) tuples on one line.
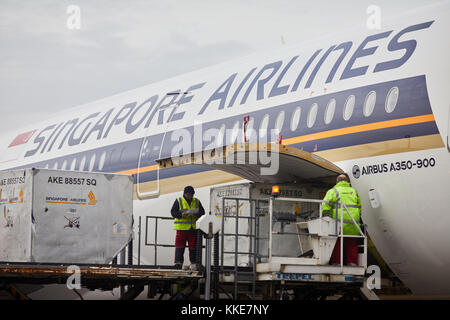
[(412, 101)]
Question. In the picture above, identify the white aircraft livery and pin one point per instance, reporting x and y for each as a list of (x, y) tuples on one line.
[(375, 103)]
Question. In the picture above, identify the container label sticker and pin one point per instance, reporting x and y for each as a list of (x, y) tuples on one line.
[(120, 228)]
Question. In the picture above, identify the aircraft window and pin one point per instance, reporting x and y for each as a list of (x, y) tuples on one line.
[(101, 163), (349, 107), (83, 162), (329, 112), (220, 136), (312, 115), (295, 118), (72, 166), (391, 99), (64, 165), (92, 163), (113, 161), (369, 104), (263, 126), (153, 152), (150, 151), (147, 141), (279, 122), (251, 123), (235, 132)]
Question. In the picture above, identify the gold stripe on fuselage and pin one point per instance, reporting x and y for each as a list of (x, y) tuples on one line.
[(361, 128), (382, 148), (197, 180)]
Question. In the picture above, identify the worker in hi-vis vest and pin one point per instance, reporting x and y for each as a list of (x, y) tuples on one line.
[(342, 192), (186, 210)]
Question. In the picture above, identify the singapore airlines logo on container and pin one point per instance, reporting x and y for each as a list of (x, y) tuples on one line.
[(92, 200)]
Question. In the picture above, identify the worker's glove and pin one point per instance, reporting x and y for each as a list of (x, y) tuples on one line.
[(327, 214)]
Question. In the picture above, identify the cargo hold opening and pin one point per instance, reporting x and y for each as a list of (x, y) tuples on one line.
[(262, 163)]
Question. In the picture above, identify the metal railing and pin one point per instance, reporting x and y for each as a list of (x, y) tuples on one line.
[(148, 236), (253, 234), (128, 251), (254, 228), (155, 244), (342, 236)]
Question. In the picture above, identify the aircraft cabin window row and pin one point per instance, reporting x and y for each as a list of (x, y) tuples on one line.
[(349, 107)]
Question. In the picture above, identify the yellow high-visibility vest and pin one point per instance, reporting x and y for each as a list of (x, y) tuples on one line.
[(187, 223), (343, 192)]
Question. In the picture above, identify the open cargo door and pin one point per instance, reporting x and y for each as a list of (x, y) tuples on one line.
[(260, 162)]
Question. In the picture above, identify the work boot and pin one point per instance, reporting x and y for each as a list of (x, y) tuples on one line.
[(178, 266)]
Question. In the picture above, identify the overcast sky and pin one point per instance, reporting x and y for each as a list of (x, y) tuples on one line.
[(46, 67)]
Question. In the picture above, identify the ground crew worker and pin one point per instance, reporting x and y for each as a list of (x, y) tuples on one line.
[(342, 192), (186, 210)]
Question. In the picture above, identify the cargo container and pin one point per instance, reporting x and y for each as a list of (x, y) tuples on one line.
[(54, 216)]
